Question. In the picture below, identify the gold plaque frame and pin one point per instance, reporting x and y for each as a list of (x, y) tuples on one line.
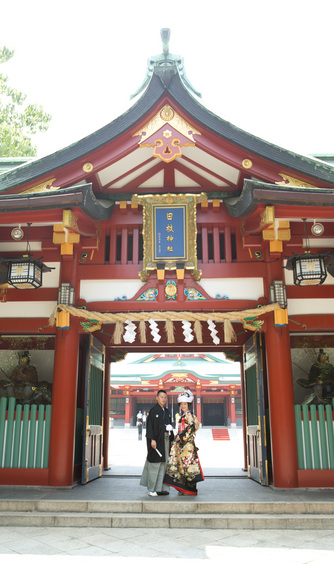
[(149, 202)]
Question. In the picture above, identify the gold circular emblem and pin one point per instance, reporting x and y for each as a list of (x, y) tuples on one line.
[(247, 163), (167, 113), (87, 167), (170, 290)]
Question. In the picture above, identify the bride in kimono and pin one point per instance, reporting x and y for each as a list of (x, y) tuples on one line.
[(183, 470)]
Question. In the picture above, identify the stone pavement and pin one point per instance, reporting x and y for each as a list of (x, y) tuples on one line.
[(219, 458), (23, 545), (87, 544)]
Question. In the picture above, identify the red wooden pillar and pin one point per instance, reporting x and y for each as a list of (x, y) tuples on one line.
[(199, 408), (127, 411), (232, 409), (243, 407), (131, 409), (64, 399), (64, 390), (281, 406), (106, 413)]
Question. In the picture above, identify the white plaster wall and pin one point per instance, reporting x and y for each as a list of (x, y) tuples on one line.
[(51, 279), (26, 309), (316, 306), (234, 288), (19, 246), (106, 290)]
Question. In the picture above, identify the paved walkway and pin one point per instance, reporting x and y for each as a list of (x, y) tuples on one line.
[(219, 458), (25, 545)]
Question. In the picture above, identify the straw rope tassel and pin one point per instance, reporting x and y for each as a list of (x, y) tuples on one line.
[(142, 331), (169, 328), (198, 331), (117, 337), (229, 333), (191, 316)]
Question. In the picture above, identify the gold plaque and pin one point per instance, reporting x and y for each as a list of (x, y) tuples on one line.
[(169, 232)]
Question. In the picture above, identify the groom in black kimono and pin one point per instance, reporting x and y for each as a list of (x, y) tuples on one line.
[(159, 434)]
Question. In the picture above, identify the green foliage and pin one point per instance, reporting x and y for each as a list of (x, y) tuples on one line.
[(18, 121)]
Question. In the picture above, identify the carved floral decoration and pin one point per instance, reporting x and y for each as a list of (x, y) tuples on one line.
[(167, 132)]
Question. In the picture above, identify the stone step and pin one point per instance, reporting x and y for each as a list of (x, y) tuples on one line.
[(164, 506), (167, 520)]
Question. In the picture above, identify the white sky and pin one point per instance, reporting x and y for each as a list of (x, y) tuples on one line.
[(264, 65)]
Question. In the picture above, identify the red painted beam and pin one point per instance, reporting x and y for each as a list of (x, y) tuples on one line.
[(222, 179), (307, 211), (136, 182), (38, 295), (130, 171), (195, 176), (309, 292), (36, 325), (252, 268), (301, 323), (208, 305), (40, 216)]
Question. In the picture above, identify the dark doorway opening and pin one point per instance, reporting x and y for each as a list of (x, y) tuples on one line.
[(214, 414)]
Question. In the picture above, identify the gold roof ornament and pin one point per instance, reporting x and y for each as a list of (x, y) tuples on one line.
[(167, 132), (43, 187), (291, 181)]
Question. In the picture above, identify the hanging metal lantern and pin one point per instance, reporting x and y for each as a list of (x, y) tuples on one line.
[(277, 293), (309, 269), (26, 272), (66, 294)]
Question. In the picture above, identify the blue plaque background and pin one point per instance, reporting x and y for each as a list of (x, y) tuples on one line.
[(170, 232)]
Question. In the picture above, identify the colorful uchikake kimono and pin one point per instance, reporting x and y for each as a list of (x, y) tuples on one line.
[(183, 469)]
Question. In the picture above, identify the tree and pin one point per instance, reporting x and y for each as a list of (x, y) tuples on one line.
[(18, 121)]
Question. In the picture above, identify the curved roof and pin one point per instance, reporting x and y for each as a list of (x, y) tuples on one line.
[(254, 193), (167, 82), (40, 167)]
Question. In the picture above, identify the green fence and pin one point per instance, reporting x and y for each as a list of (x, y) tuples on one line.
[(24, 435), (315, 437)]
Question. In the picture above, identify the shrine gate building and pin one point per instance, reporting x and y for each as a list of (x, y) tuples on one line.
[(168, 231)]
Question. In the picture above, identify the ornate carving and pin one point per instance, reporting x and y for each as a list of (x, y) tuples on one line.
[(196, 274), (193, 294), (167, 113), (43, 187), (291, 181), (150, 295), (167, 138), (144, 275), (171, 290)]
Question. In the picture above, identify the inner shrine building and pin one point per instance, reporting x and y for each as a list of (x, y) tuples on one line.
[(213, 381), (167, 232)]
